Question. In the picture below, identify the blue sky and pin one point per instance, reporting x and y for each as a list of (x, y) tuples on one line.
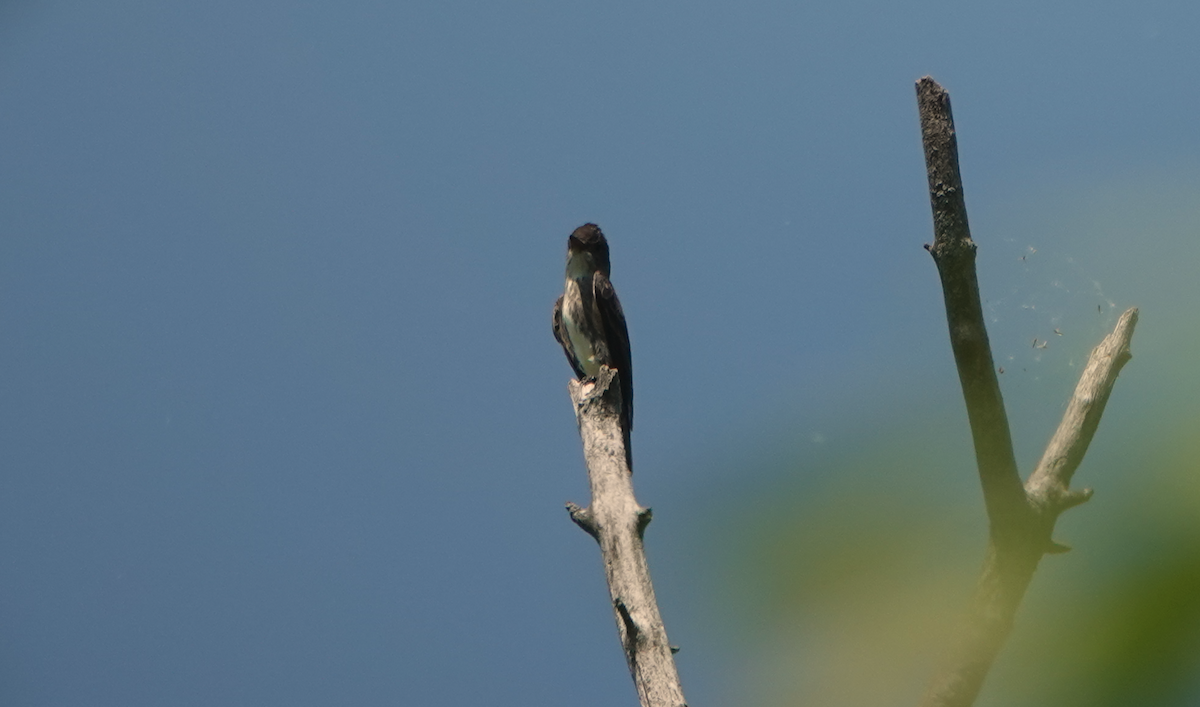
[(283, 420)]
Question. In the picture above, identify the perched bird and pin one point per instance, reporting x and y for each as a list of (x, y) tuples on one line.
[(589, 322)]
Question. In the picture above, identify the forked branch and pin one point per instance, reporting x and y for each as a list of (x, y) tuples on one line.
[(1021, 517)]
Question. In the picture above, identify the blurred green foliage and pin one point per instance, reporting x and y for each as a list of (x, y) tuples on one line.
[(847, 593), (1131, 635)]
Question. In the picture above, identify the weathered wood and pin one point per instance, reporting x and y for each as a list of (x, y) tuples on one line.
[(618, 523), (1021, 517), (954, 252), (1051, 480)]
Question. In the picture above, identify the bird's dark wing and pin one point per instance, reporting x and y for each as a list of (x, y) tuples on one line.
[(561, 335), (616, 335)]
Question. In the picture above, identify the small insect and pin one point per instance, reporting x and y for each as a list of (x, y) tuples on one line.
[(1042, 345), (1001, 370), (1097, 309), (1056, 331)]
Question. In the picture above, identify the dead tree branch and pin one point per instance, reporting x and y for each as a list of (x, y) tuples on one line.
[(618, 523), (1050, 482), (1021, 517)]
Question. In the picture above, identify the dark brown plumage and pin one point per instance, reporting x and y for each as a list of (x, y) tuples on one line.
[(588, 320)]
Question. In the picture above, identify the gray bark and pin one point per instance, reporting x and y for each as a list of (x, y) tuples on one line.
[(617, 523), (1021, 517)]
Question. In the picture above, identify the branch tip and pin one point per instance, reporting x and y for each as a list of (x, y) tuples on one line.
[(583, 518), (644, 516), (928, 83), (1074, 498), (588, 389)]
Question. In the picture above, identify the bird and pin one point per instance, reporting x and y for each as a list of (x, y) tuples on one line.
[(589, 322)]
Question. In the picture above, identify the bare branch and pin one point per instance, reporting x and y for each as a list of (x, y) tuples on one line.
[(617, 522), (1021, 517), (1050, 482), (954, 252), (1009, 565)]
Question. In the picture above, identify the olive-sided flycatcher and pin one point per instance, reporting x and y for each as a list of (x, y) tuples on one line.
[(589, 322)]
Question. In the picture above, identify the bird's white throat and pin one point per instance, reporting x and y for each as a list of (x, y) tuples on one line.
[(580, 267)]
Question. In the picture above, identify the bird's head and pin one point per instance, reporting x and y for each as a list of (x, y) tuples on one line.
[(587, 251)]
